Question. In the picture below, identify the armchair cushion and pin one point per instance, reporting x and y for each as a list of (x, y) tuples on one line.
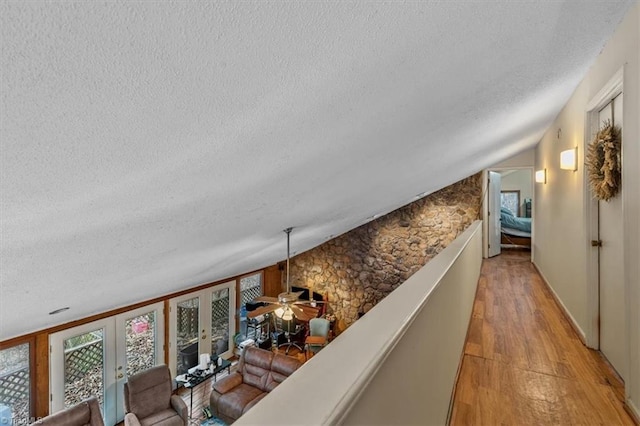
[(281, 368), (255, 368), (227, 383), (149, 391), (148, 399), (235, 402), (130, 419), (179, 406), (163, 418), (84, 413)]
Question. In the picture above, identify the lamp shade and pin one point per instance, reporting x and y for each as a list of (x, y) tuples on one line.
[(541, 176), (288, 315), (569, 159)]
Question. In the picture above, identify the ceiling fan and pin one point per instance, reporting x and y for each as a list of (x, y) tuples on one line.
[(288, 304)]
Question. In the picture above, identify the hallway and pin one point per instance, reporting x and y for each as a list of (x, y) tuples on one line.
[(523, 363)]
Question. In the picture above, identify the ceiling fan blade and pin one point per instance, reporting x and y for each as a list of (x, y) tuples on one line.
[(262, 310), (308, 302), (301, 314), (266, 299)]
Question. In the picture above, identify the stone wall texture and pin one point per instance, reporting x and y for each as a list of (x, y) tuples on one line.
[(359, 268)]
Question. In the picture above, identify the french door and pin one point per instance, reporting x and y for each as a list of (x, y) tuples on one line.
[(96, 359), (201, 322)]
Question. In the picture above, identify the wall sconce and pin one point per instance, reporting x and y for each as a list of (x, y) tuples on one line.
[(541, 176), (569, 159)]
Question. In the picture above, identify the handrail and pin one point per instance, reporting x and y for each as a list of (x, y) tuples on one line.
[(326, 388)]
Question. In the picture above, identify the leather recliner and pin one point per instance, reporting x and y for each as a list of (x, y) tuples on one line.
[(259, 372), (148, 399)]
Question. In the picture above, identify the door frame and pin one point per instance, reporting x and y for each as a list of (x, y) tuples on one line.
[(205, 301), (485, 206), (592, 123), (121, 347), (494, 233), (56, 359), (114, 350)]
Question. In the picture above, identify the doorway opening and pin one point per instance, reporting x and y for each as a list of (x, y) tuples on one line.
[(508, 210)]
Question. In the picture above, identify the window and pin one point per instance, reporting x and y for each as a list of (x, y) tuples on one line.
[(511, 201), (15, 385), (250, 288)]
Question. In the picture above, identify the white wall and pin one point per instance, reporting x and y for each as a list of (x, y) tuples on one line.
[(524, 159), (519, 180), (560, 247)]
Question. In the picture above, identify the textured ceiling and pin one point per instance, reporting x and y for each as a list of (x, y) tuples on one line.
[(147, 147)]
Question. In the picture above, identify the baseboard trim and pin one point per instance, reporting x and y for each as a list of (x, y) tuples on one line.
[(632, 410), (574, 324)]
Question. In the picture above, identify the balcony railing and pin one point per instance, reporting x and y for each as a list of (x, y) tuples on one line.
[(398, 363)]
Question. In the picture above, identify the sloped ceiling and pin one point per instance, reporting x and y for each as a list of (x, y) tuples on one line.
[(148, 147)]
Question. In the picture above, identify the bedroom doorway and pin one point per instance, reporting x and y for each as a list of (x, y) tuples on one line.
[(509, 211)]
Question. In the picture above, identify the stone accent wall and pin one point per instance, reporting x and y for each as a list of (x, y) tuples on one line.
[(359, 268)]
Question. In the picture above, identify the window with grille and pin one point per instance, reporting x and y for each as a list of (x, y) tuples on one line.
[(250, 288), (15, 385)]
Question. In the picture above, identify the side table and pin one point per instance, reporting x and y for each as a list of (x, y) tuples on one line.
[(191, 380)]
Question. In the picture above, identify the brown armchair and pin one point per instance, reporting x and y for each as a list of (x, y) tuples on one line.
[(148, 399), (84, 413)]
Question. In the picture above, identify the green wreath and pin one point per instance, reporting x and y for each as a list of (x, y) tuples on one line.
[(603, 162)]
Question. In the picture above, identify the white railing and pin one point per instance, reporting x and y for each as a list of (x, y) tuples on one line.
[(395, 365)]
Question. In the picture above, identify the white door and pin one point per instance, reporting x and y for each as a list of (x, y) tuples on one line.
[(82, 365), (95, 359), (201, 322), (612, 301), (494, 213), (139, 346)]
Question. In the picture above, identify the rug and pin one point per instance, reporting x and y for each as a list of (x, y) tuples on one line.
[(213, 421)]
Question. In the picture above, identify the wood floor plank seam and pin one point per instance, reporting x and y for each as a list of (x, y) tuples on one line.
[(606, 379)]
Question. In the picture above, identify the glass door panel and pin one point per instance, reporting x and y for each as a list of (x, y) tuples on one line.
[(220, 313), (15, 385), (139, 345), (250, 288), (82, 363), (194, 331), (84, 367), (187, 327)]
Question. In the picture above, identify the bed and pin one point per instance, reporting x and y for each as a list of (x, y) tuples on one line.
[(515, 231)]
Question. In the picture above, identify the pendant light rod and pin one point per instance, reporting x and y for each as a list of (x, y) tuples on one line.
[(288, 232)]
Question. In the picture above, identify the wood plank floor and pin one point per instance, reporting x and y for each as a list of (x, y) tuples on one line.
[(523, 363)]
